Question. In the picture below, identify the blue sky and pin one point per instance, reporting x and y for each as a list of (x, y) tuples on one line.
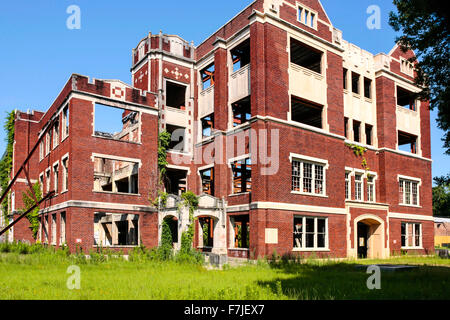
[(38, 53)]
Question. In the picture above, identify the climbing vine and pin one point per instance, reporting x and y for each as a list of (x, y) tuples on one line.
[(163, 145), (29, 201), (190, 200), (359, 152), (6, 161)]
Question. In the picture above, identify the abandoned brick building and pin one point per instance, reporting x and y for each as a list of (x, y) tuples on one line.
[(267, 116)]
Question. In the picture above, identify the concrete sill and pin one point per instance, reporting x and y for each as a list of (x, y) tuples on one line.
[(410, 206), (118, 193), (311, 250), (238, 194), (239, 249), (309, 194), (412, 248)]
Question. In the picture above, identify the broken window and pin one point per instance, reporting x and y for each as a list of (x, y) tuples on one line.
[(367, 88), (62, 233), (207, 232), (356, 131), (369, 129), (355, 82), (345, 78), (406, 99), (207, 76), (240, 231), (306, 56), (65, 181), (65, 123), (177, 134), (407, 142), (241, 55), (116, 175), (310, 233), (207, 125), (175, 181), (111, 229), (306, 113), (117, 124), (207, 177), (172, 223), (307, 177), (241, 111), (175, 95), (242, 176), (346, 127)]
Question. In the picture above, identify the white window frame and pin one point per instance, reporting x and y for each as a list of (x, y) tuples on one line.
[(41, 182), (407, 236), (47, 142), (315, 248), (55, 138), (411, 181), (62, 228), (56, 176), (41, 150), (64, 186), (311, 14), (369, 186), (348, 184), (361, 183), (54, 231), (48, 174), (314, 162), (64, 122)]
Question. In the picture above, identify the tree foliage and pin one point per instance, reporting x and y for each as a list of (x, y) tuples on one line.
[(29, 201), (441, 197), (6, 161), (163, 145), (425, 29)]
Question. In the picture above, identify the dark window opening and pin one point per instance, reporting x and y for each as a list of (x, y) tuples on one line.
[(172, 223), (241, 55), (207, 76), (355, 83), (345, 79), (116, 176), (175, 95), (207, 225), (346, 127), (177, 137), (356, 131), (175, 181), (368, 88), (368, 128), (207, 125), (305, 56), (241, 228), (242, 176), (116, 229), (115, 123), (406, 99), (306, 113), (241, 111), (207, 177), (407, 142)]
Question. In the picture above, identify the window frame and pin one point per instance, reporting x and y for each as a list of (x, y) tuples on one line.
[(406, 235), (315, 233), (312, 16), (403, 181), (232, 162), (359, 183), (314, 162), (65, 176)]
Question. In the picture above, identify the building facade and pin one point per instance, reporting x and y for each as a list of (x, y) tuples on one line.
[(295, 140)]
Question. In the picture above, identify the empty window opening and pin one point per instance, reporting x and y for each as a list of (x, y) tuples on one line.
[(307, 17), (116, 176), (45, 229), (355, 82), (407, 142), (207, 177), (207, 125), (207, 232), (241, 55), (306, 56), (177, 134), (56, 177), (345, 79), (54, 229), (172, 223), (306, 113), (55, 134), (346, 127), (242, 176), (369, 130), (367, 88), (65, 122), (207, 76), (240, 231), (175, 181), (115, 123), (241, 111), (175, 95), (62, 233), (47, 178), (406, 99), (116, 229), (65, 180), (356, 131)]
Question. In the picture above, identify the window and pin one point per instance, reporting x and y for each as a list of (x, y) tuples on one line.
[(345, 79), (406, 67), (367, 88), (207, 125), (368, 128), (65, 181), (346, 127), (116, 229), (207, 177), (356, 131), (47, 142), (62, 233), (241, 55), (355, 82), (65, 123), (47, 177), (41, 150), (409, 192), (116, 175), (370, 188), (41, 182), (55, 177), (306, 113), (242, 176), (177, 134), (307, 17), (306, 56), (175, 95), (347, 186), (54, 229), (241, 111), (308, 177), (310, 233), (116, 123), (207, 76), (55, 134), (358, 187), (411, 234), (407, 142), (45, 229), (175, 181), (406, 99)]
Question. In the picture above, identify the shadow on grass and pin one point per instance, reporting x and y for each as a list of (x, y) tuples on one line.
[(344, 281)]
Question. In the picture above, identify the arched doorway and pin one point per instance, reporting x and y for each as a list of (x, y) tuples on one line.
[(206, 233), (369, 237), (172, 223)]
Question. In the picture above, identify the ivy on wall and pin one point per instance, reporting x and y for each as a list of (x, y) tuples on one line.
[(6, 161), (29, 201), (359, 152)]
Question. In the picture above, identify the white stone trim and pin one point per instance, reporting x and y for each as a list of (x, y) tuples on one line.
[(407, 216), (97, 205), (111, 157), (296, 207)]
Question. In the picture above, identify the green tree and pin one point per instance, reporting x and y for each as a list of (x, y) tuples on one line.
[(424, 25), (441, 197), (6, 161), (29, 201), (166, 241)]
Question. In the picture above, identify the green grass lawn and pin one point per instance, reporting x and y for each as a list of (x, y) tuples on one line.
[(43, 276)]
